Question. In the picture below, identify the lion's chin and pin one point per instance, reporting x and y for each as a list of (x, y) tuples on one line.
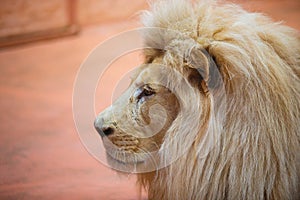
[(124, 164), (128, 161), (125, 159), (116, 154)]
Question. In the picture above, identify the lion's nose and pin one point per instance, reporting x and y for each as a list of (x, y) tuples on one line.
[(107, 131), (103, 130)]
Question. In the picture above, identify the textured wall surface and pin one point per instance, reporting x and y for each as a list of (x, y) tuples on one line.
[(26, 16), (94, 11), (19, 17)]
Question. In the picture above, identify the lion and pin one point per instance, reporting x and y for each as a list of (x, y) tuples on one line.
[(214, 110)]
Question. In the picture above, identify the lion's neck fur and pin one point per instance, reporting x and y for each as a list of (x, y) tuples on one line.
[(255, 153)]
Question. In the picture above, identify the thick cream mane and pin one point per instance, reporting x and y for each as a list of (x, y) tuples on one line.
[(253, 151)]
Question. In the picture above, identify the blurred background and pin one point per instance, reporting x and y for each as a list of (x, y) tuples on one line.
[(42, 44)]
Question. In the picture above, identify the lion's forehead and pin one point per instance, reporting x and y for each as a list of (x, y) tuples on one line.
[(154, 73)]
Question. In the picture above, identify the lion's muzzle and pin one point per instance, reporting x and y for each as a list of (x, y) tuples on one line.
[(103, 130)]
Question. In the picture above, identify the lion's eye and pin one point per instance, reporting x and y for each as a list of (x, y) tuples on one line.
[(145, 91)]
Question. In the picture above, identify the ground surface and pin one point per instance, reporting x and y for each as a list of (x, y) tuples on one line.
[(41, 156)]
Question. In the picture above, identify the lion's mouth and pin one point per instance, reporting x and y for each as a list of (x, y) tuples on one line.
[(122, 154)]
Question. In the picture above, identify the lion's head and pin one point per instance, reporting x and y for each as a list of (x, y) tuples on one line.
[(136, 123), (157, 104), (214, 109)]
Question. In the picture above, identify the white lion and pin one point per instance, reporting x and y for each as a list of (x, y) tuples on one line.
[(243, 146)]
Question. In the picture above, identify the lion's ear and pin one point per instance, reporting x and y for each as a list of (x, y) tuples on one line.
[(202, 69)]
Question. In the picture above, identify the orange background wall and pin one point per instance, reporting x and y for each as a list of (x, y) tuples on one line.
[(34, 18)]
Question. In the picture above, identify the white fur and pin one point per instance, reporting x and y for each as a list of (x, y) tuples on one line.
[(253, 151)]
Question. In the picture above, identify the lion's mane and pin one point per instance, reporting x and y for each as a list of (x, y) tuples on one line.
[(253, 151)]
